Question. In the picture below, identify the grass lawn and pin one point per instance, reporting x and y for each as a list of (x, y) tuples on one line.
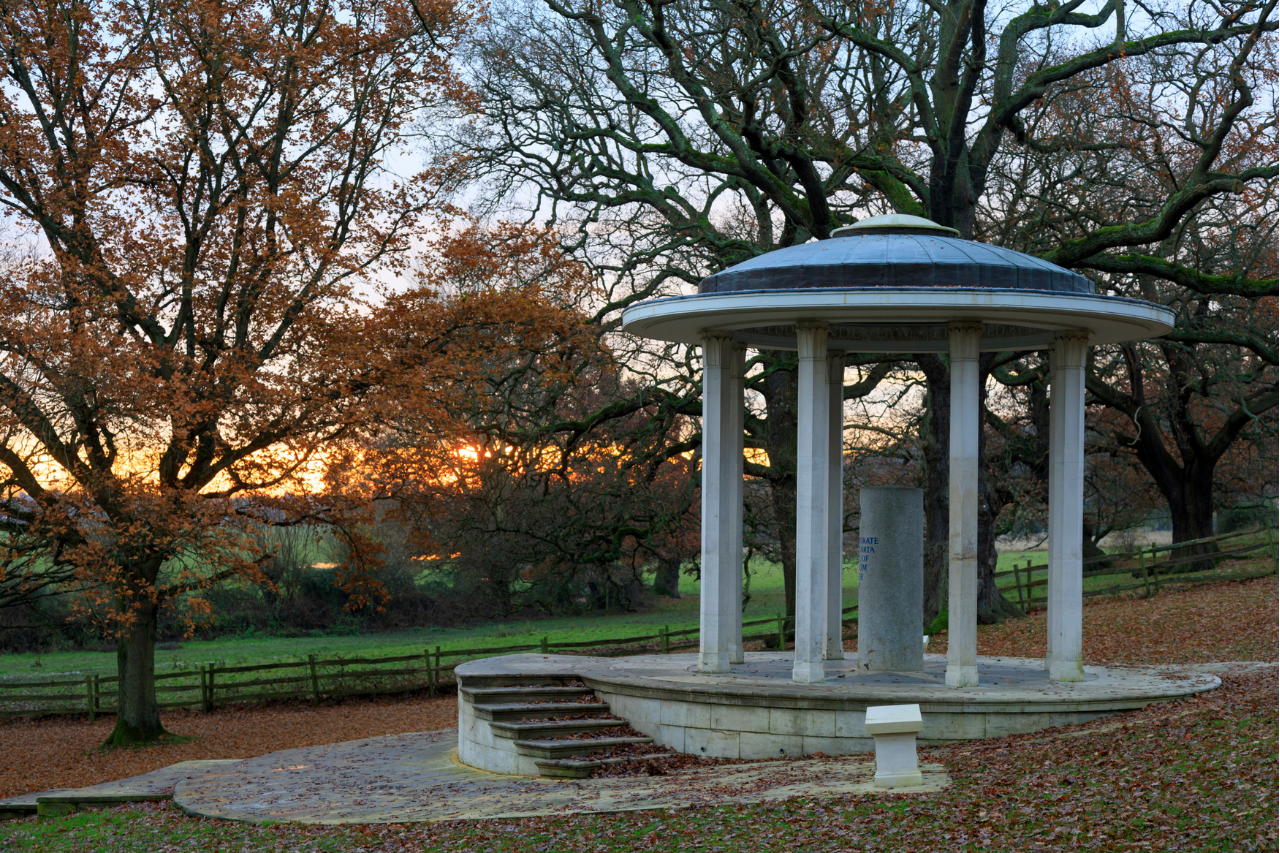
[(677, 614)]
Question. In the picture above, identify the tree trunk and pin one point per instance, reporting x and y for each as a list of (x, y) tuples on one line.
[(138, 720), (1090, 549), (993, 607), (936, 444), (1192, 515), (666, 581), (1186, 488), (780, 402)]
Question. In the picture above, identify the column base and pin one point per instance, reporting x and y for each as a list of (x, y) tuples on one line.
[(736, 655), (713, 663), (1065, 670), (962, 676), (808, 673), (833, 654)]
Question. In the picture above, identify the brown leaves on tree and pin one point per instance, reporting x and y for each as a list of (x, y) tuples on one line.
[(211, 201)]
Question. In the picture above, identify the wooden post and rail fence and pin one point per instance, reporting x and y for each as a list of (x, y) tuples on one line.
[(1146, 568), (208, 685)]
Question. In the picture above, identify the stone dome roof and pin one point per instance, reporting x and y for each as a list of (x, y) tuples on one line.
[(895, 251)]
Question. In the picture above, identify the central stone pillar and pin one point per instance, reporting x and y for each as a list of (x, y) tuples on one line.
[(1065, 658), (962, 571), (812, 449), (890, 579), (835, 510)]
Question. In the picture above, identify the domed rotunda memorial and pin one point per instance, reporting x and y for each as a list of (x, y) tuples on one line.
[(889, 284)]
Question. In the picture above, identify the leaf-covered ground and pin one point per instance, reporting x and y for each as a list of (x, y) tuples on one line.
[(1198, 774), (61, 752), (1193, 624), (1195, 775)]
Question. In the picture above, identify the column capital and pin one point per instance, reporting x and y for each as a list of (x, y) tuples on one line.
[(966, 339), (835, 366), (717, 349), (811, 339), (1071, 347)]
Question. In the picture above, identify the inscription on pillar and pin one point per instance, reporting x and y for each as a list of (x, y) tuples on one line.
[(866, 547)]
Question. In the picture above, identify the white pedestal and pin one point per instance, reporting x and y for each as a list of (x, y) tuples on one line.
[(894, 729)]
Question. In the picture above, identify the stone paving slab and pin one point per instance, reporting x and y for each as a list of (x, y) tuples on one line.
[(416, 777), (156, 785)]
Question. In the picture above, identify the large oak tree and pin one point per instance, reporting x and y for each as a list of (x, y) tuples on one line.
[(679, 138), (196, 196)]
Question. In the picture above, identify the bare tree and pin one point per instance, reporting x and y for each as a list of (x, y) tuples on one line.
[(680, 138)]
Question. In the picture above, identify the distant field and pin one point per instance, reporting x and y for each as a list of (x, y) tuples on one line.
[(766, 601)]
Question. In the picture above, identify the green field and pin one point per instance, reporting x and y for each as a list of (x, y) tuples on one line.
[(677, 614), (766, 602)]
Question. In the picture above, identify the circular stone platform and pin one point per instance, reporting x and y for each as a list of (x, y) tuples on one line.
[(757, 711)]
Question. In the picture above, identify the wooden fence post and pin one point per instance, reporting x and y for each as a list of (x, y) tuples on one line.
[(1155, 572), (97, 698), (315, 679), (1017, 581), (439, 669), (666, 639), (545, 648), (88, 696), (782, 632), (208, 702), (1275, 555), (1146, 581)]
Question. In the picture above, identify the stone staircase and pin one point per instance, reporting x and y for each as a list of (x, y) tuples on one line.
[(539, 726)]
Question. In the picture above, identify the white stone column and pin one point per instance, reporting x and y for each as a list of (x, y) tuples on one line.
[(737, 368), (718, 537), (834, 649), (1055, 428), (1065, 659), (962, 572), (812, 449)]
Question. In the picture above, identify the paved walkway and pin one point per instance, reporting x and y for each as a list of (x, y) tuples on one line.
[(416, 777), (157, 785)]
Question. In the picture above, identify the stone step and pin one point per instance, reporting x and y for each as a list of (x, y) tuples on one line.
[(517, 695), (580, 768), (565, 748), (542, 730), (522, 711), (516, 680)]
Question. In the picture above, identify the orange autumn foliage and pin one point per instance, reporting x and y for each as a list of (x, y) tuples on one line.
[(202, 202)]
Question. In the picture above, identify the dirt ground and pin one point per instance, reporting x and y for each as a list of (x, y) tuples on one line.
[(1219, 622), (60, 752)]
